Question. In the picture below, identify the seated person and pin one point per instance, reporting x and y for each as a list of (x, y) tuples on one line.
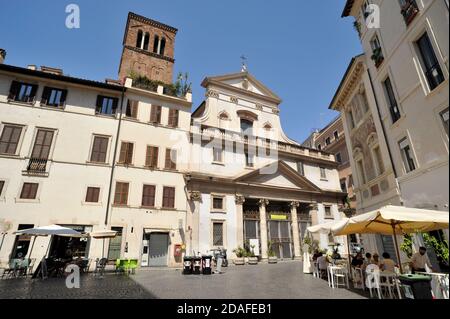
[(357, 261), (387, 264), (376, 260), (367, 261), (323, 262), (316, 255)]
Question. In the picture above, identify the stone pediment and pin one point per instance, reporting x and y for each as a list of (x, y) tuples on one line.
[(278, 174), (244, 82)]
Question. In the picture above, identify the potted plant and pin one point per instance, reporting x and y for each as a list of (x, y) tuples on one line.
[(273, 259), (240, 254), (252, 259)]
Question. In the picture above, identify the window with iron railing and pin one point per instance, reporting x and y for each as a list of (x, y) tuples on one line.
[(22, 92), (41, 151), (392, 101), (409, 10), (53, 97), (430, 63), (377, 53)]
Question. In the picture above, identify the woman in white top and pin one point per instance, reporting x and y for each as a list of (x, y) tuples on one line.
[(387, 264)]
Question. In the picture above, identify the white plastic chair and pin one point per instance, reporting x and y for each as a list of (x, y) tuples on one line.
[(389, 283), (340, 273), (358, 278), (373, 279)]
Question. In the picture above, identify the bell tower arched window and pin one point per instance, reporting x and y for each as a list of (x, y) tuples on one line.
[(156, 44), (162, 46), (146, 41), (139, 39)]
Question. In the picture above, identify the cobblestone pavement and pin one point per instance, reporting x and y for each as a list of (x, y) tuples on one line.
[(284, 280)]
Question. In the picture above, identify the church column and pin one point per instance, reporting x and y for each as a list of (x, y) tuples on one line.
[(195, 197), (295, 230), (263, 226), (239, 199)]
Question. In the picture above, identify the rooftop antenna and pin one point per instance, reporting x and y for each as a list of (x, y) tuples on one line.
[(244, 63)]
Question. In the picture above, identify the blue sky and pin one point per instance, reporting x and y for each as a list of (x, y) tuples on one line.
[(300, 49)]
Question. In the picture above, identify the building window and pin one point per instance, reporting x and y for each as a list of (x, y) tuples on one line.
[(217, 154), (319, 147), (218, 203), (378, 160), (121, 193), (343, 185), (92, 194), (132, 109), (246, 127), (430, 63), (42, 144), (171, 159), (156, 44), (217, 234), (351, 120), (126, 153), (173, 118), (53, 97), (338, 158), (350, 181), (361, 171), (328, 141), (146, 41), (444, 118), (162, 47), (148, 196), (139, 39), (168, 197), (22, 92), (392, 101), (301, 168), (2, 186), (407, 156), (377, 53), (249, 158), (323, 173), (99, 149), (328, 212), (336, 135), (155, 114), (106, 105), (9, 140), (409, 10), (151, 158), (29, 191)]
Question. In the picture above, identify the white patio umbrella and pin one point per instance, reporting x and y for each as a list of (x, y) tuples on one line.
[(103, 234), (49, 230), (394, 220)]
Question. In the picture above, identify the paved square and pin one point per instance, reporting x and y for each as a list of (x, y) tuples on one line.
[(284, 280)]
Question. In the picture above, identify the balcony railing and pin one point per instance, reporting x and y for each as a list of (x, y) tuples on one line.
[(37, 166), (409, 11)]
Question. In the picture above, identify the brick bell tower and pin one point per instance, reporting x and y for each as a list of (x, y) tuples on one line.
[(148, 49)]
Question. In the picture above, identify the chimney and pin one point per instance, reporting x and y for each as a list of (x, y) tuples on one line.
[(51, 70), (2, 55), (31, 67)]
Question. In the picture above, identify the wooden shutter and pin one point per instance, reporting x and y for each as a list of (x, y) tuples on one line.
[(29, 191), (152, 157), (34, 88), (169, 163), (14, 90), (121, 193), (99, 149), (98, 104), (169, 197), (10, 139), (155, 114), (62, 102), (126, 153), (42, 144), (45, 95), (148, 196), (173, 118), (92, 194)]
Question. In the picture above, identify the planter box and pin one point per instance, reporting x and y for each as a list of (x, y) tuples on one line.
[(273, 260), (239, 261), (252, 260)]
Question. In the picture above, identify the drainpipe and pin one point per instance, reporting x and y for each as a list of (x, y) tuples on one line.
[(107, 215)]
